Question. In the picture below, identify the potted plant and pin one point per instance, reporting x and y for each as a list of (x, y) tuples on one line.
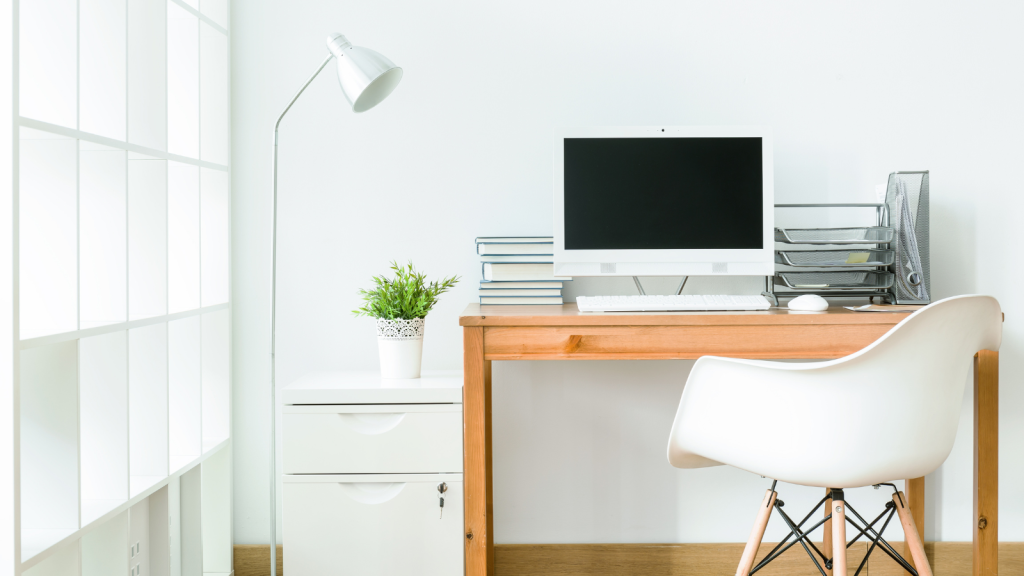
[(400, 305)]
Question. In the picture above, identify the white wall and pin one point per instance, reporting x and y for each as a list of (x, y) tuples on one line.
[(463, 148), (8, 328)]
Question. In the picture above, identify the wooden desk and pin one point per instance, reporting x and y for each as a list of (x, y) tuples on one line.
[(564, 333)]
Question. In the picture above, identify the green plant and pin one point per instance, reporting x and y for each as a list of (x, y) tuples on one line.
[(406, 296)]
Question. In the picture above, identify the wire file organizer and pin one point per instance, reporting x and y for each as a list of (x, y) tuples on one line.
[(888, 258), (906, 198), (847, 262), (822, 236), (835, 258)]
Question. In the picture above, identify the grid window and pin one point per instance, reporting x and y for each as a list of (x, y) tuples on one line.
[(123, 195)]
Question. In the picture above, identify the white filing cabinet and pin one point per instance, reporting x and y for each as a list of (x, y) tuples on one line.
[(363, 459)]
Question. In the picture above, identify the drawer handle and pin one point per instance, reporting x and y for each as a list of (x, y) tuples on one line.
[(371, 424), (372, 492)]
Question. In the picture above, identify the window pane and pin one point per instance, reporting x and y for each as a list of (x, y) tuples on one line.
[(183, 236), (147, 237), (214, 95), (147, 73), (215, 220), (48, 230), (182, 82), (49, 49), (103, 62), (103, 184)]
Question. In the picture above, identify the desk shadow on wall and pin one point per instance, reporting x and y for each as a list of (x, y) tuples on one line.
[(579, 456), (579, 450)]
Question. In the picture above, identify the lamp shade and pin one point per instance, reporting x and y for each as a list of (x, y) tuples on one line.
[(366, 77)]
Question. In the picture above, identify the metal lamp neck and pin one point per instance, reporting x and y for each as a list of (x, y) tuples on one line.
[(337, 43)]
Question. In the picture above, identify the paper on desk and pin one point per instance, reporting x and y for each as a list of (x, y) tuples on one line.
[(857, 258), (883, 308)]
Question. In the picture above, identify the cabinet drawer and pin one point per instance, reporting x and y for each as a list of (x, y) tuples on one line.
[(373, 439), (373, 525)]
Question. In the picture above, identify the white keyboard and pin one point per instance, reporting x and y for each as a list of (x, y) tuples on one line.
[(681, 302)]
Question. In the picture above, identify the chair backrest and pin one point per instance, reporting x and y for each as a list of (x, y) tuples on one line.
[(888, 411), (918, 371)]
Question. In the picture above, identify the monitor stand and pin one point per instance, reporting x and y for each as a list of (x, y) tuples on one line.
[(768, 292), (640, 287)]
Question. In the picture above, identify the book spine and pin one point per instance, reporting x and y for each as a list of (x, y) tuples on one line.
[(527, 259), (519, 304), (563, 279)]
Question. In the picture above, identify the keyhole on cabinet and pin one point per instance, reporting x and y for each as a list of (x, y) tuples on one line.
[(441, 489)]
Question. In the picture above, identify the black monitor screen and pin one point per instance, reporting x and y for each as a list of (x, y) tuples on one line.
[(663, 193)]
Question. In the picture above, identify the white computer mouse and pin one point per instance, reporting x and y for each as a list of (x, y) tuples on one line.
[(808, 303)]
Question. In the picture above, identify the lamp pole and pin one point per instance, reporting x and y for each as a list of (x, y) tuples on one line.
[(273, 334)]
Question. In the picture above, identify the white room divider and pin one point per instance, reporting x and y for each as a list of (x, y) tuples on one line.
[(121, 310)]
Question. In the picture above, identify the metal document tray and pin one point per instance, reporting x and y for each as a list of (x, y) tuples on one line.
[(866, 235), (818, 281), (850, 258)]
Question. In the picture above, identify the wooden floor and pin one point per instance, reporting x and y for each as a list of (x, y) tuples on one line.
[(254, 560), (947, 559)]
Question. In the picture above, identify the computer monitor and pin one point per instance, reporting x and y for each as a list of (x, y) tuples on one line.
[(663, 201)]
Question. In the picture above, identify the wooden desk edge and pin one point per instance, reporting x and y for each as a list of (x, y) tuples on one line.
[(569, 315)]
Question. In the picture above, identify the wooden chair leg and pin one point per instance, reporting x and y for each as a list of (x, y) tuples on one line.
[(913, 538), (826, 534), (838, 533), (913, 493), (750, 551)]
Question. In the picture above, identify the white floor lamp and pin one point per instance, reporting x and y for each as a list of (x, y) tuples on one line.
[(366, 79)]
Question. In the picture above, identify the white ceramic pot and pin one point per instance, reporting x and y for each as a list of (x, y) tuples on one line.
[(400, 343)]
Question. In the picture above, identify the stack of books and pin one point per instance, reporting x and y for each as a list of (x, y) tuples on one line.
[(518, 270)]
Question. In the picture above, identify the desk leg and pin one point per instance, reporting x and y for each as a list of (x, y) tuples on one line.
[(914, 492), (986, 463), (476, 414)]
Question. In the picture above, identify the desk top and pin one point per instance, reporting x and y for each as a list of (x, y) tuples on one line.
[(569, 315)]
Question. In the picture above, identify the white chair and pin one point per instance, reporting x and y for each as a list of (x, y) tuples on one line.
[(887, 412)]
